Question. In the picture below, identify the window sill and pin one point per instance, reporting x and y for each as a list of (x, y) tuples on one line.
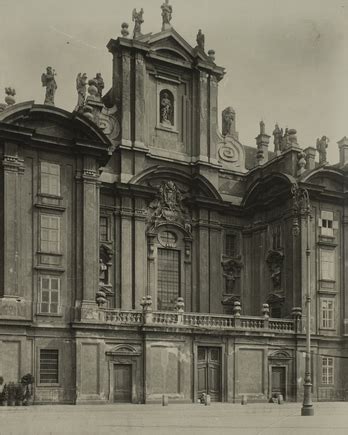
[(49, 314), (48, 385), (49, 196), (50, 268), (167, 129), (56, 254), (53, 207)]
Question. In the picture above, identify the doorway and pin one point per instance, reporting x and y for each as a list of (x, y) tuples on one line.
[(279, 381), (122, 383), (209, 372)]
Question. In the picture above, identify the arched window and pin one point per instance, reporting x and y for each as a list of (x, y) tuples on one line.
[(166, 108)]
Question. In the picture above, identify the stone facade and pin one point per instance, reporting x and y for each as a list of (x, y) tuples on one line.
[(145, 253)]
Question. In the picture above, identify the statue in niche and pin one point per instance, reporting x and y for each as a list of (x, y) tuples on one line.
[(103, 272), (231, 273), (166, 110), (137, 17), (278, 138), (228, 116), (166, 15), (81, 85), (48, 80), (322, 145), (200, 40), (275, 260)]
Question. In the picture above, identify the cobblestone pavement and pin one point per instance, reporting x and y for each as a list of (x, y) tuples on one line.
[(232, 419)]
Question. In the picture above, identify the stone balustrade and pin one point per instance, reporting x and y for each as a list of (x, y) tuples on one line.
[(196, 320)]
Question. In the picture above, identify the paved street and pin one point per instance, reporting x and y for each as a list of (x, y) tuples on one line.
[(232, 419)]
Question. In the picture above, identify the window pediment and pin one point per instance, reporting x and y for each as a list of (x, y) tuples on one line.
[(123, 350)]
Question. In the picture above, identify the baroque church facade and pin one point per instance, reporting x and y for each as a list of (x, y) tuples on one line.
[(144, 252)]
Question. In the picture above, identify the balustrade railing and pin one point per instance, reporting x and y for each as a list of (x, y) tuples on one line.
[(196, 320)]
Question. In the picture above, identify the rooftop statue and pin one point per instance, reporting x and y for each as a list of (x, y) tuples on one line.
[(137, 17), (200, 40), (262, 128), (99, 83), (124, 30), (49, 82), (10, 93), (322, 145), (278, 138), (9, 99), (81, 84), (166, 15), (227, 121)]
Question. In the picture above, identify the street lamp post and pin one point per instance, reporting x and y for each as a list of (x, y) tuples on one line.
[(302, 208)]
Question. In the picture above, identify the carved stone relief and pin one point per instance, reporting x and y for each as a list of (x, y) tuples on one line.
[(168, 207)]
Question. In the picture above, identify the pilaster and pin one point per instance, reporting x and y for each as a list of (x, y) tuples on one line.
[(127, 296), (126, 99), (139, 115), (139, 251), (13, 168)]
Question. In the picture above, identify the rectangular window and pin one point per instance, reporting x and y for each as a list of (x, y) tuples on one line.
[(230, 245), (49, 294), (327, 376), (327, 313), (327, 264), (49, 360), (168, 278), (327, 223), (50, 178), (49, 233), (103, 229)]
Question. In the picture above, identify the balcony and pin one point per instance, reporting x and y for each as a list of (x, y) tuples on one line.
[(194, 321)]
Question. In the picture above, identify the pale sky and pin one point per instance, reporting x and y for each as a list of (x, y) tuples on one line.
[(286, 60)]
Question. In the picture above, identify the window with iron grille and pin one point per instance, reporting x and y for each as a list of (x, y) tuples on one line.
[(49, 233), (327, 313), (104, 228), (327, 374), (49, 373), (49, 294), (230, 245), (50, 178), (168, 285)]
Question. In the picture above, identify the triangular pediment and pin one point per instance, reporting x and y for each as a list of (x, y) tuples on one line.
[(170, 44)]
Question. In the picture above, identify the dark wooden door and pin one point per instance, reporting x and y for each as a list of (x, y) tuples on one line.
[(278, 381), (209, 372), (123, 383)]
